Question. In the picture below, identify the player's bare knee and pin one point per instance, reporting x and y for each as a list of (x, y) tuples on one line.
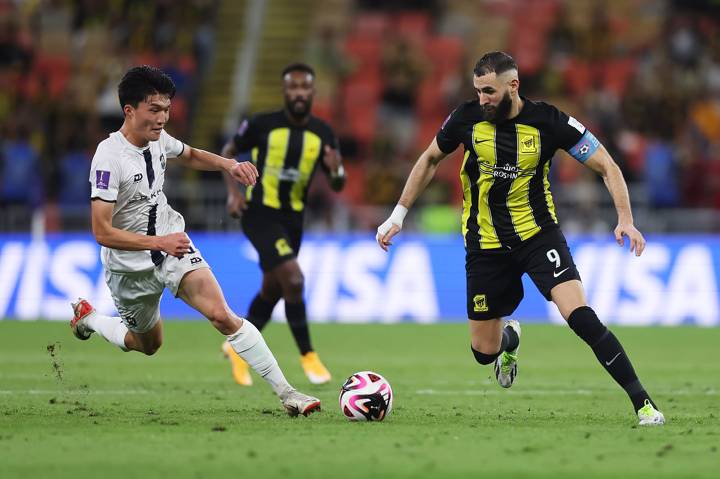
[(293, 285), (151, 348)]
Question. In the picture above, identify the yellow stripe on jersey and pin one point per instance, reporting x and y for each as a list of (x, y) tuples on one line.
[(518, 201), (484, 145), (248, 192), (548, 195), (467, 196), (309, 156), (277, 146)]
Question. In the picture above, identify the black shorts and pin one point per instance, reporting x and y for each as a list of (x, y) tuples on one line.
[(276, 235), (494, 277)]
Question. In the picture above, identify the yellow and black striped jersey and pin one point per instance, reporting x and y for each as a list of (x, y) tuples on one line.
[(286, 156), (504, 174)]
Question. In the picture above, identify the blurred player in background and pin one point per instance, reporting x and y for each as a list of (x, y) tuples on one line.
[(509, 222), (287, 146), (145, 248)]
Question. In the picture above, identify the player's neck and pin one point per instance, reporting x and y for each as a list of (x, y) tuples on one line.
[(133, 139), (295, 120), (516, 108)]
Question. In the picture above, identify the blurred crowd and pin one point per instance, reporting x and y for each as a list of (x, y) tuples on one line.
[(60, 63), (643, 75)]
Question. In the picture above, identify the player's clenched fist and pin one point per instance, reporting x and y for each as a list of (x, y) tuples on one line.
[(391, 227), (244, 172), (175, 244)]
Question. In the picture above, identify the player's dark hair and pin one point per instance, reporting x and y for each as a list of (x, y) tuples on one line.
[(142, 82), (498, 62), (298, 67)]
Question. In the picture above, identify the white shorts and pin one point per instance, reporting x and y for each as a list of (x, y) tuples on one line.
[(137, 294)]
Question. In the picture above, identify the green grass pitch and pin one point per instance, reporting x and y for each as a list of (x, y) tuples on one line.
[(93, 411)]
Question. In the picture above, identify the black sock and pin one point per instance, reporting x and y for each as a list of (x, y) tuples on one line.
[(260, 311), (585, 323), (511, 340), (297, 320)]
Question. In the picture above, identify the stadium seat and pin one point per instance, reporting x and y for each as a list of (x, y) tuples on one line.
[(412, 24), (371, 24)]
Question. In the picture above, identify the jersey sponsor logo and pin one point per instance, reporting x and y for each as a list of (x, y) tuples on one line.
[(283, 174), (138, 197), (282, 247), (505, 172), (527, 144), (195, 260), (102, 179), (137, 178), (480, 303), (478, 140), (576, 124)]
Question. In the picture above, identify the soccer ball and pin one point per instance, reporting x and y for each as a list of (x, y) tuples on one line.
[(366, 396)]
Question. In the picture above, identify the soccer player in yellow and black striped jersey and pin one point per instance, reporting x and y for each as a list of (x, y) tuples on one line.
[(287, 146), (509, 222)]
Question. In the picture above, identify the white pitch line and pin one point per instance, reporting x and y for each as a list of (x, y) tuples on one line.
[(422, 392), (546, 392), (85, 392)]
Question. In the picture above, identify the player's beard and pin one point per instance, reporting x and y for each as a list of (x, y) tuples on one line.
[(298, 108), (499, 113)]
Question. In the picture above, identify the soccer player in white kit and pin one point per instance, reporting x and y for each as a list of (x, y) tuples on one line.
[(144, 245)]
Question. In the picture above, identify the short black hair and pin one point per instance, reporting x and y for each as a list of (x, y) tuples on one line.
[(138, 83), (298, 67), (498, 62)]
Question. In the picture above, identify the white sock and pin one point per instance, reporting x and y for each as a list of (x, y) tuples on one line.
[(110, 328), (250, 345)]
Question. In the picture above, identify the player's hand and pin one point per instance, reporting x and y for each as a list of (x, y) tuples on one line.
[(332, 159), (385, 233), (175, 244), (236, 204), (637, 242), (244, 172)]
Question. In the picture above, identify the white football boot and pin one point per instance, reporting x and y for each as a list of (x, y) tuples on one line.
[(506, 363), (296, 403), (649, 416)]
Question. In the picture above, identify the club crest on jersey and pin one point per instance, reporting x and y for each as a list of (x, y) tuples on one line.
[(102, 179), (480, 303), (163, 162), (527, 144)]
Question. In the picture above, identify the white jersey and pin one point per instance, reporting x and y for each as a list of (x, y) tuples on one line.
[(133, 178)]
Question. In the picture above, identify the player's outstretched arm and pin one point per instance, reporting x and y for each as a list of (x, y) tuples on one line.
[(175, 244), (419, 178), (602, 163), (198, 159)]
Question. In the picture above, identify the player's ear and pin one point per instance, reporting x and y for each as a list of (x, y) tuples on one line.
[(129, 111)]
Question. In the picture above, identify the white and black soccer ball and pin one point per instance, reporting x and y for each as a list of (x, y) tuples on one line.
[(366, 396)]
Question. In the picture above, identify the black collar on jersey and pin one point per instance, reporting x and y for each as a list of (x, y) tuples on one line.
[(148, 167)]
